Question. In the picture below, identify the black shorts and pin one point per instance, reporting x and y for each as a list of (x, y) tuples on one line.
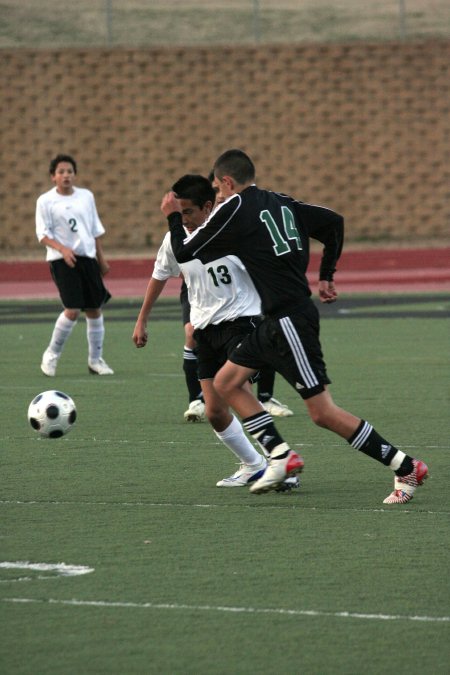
[(291, 345), (185, 306), (215, 343), (80, 287)]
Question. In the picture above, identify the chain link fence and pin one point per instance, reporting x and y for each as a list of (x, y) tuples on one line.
[(146, 23)]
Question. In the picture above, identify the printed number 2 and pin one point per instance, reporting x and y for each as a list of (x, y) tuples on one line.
[(73, 224), (280, 245), (224, 277)]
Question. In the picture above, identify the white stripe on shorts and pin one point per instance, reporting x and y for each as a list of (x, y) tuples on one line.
[(298, 351)]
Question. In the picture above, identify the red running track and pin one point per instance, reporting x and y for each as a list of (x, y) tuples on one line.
[(359, 271)]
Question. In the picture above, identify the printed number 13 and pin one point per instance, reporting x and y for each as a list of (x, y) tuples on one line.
[(220, 274)]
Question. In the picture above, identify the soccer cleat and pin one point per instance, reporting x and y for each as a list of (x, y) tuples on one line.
[(405, 486), (99, 367), (195, 412), (289, 483), (247, 473), (49, 363), (278, 470), (276, 408)]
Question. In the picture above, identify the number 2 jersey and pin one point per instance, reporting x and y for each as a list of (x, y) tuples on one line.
[(220, 291), (269, 232), (72, 220)]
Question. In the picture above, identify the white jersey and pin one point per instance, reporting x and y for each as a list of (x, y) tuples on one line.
[(72, 220), (219, 291)]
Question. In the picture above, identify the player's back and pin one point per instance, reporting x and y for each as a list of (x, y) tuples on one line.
[(273, 247), (270, 233)]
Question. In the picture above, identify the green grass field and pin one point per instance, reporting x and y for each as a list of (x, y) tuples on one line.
[(188, 578)]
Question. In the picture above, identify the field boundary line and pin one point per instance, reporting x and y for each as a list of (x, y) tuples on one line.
[(184, 505), (234, 610)]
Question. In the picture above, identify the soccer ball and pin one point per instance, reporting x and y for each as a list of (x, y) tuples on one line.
[(52, 414)]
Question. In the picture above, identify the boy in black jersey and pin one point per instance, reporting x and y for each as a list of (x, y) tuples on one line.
[(270, 233)]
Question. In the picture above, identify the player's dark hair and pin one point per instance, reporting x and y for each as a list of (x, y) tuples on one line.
[(196, 188), (61, 158), (237, 164)]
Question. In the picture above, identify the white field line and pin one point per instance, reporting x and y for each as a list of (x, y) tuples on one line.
[(60, 568), (185, 505), (74, 439), (233, 610)]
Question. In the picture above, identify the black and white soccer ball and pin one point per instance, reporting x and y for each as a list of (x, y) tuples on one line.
[(52, 414)]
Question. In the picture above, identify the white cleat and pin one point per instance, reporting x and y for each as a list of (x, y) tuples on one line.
[(276, 408), (99, 367), (195, 412), (247, 473), (405, 486), (49, 363), (278, 469)]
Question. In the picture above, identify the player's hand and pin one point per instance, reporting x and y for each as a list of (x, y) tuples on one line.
[(104, 268), (327, 292), (140, 335), (69, 256), (170, 204)]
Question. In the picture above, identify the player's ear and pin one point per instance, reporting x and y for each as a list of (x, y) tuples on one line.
[(229, 182)]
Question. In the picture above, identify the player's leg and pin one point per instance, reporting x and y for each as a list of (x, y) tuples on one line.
[(95, 333), (409, 472), (196, 409), (64, 325), (68, 285), (95, 296), (302, 365), (213, 346), (229, 430), (230, 383)]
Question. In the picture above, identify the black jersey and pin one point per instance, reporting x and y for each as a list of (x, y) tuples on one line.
[(270, 233)]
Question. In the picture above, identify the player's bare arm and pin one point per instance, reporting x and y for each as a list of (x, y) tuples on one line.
[(140, 334), (104, 266)]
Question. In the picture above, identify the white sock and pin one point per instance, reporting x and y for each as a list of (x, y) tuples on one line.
[(236, 441), (61, 332), (95, 331), (397, 460)]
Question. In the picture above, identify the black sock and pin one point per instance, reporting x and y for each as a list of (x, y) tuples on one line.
[(191, 375), (264, 396), (265, 384), (368, 441), (406, 467), (262, 429)]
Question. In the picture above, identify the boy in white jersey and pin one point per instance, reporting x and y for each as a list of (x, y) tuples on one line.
[(67, 223), (224, 307)]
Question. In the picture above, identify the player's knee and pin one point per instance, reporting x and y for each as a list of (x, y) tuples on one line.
[(72, 314), (217, 417), (321, 417)]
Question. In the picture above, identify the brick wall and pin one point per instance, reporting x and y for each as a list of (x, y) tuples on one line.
[(361, 128)]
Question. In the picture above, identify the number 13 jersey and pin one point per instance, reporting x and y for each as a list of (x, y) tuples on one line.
[(221, 290)]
